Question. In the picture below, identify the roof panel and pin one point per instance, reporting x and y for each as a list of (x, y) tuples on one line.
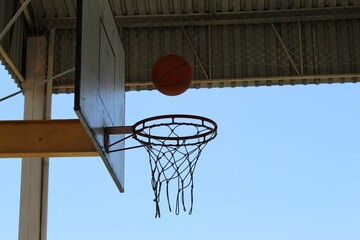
[(63, 8), (49, 8), (232, 38), (71, 8)]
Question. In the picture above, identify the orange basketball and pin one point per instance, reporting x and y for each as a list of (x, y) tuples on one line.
[(171, 75)]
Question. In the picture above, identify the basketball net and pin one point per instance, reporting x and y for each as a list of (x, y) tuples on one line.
[(174, 144)]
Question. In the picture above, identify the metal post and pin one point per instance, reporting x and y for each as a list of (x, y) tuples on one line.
[(34, 172)]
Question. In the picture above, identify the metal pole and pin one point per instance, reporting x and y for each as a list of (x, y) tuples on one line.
[(13, 20)]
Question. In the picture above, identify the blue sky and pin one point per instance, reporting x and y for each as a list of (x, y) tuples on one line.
[(285, 165)]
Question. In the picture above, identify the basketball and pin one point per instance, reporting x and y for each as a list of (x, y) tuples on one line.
[(171, 75)]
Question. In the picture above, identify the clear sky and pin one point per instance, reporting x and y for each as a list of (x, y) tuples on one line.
[(285, 165)]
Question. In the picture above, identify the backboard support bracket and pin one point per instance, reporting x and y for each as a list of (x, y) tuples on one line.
[(120, 130)]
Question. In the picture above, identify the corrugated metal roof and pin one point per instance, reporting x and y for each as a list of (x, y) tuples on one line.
[(159, 7), (229, 43), (242, 55), (67, 8)]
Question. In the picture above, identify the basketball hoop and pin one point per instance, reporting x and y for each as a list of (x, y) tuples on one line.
[(174, 144)]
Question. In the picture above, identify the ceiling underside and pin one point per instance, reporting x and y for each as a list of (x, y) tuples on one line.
[(229, 43)]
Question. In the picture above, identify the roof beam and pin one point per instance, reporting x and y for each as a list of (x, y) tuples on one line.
[(27, 16), (242, 82), (250, 17), (13, 20)]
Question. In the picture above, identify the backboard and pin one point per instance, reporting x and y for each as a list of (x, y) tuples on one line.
[(100, 79)]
